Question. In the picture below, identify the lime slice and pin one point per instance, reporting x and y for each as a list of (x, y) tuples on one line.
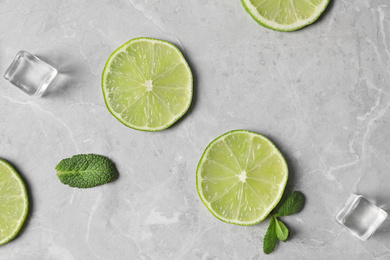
[(147, 84), (241, 177), (285, 15), (13, 202)]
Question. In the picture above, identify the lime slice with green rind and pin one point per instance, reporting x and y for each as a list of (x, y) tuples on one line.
[(147, 84), (13, 202), (241, 177), (285, 15)]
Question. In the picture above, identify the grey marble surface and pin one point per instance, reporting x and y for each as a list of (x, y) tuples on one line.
[(320, 93)]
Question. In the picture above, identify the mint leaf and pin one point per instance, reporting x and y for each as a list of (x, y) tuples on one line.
[(293, 204), (270, 238), (86, 170), (277, 230), (282, 231)]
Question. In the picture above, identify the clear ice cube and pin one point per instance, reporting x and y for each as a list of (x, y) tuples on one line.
[(360, 216), (30, 74)]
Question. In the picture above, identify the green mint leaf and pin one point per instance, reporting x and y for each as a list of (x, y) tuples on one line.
[(86, 170), (293, 204), (282, 231), (270, 238)]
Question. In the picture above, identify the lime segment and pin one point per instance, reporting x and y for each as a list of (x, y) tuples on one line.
[(147, 84), (285, 15), (13, 202), (241, 177)]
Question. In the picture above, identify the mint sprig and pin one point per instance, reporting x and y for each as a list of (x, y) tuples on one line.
[(277, 230)]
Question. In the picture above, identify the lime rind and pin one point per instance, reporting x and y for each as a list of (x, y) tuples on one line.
[(24, 195), (251, 9), (270, 207), (174, 118)]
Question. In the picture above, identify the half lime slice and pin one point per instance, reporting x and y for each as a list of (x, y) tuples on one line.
[(285, 15), (147, 84), (13, 202), (241, 177)]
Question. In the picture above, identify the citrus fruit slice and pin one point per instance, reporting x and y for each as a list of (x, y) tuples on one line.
[(285, 15), (13, 202), (241, 177), (147, 84)]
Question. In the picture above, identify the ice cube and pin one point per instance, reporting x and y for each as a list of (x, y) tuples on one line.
[(360, 216), (30, 74)]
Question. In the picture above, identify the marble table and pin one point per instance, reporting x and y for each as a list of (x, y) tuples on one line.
[(321, 94)]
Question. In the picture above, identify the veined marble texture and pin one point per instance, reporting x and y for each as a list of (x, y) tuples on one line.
[(321, 94)]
